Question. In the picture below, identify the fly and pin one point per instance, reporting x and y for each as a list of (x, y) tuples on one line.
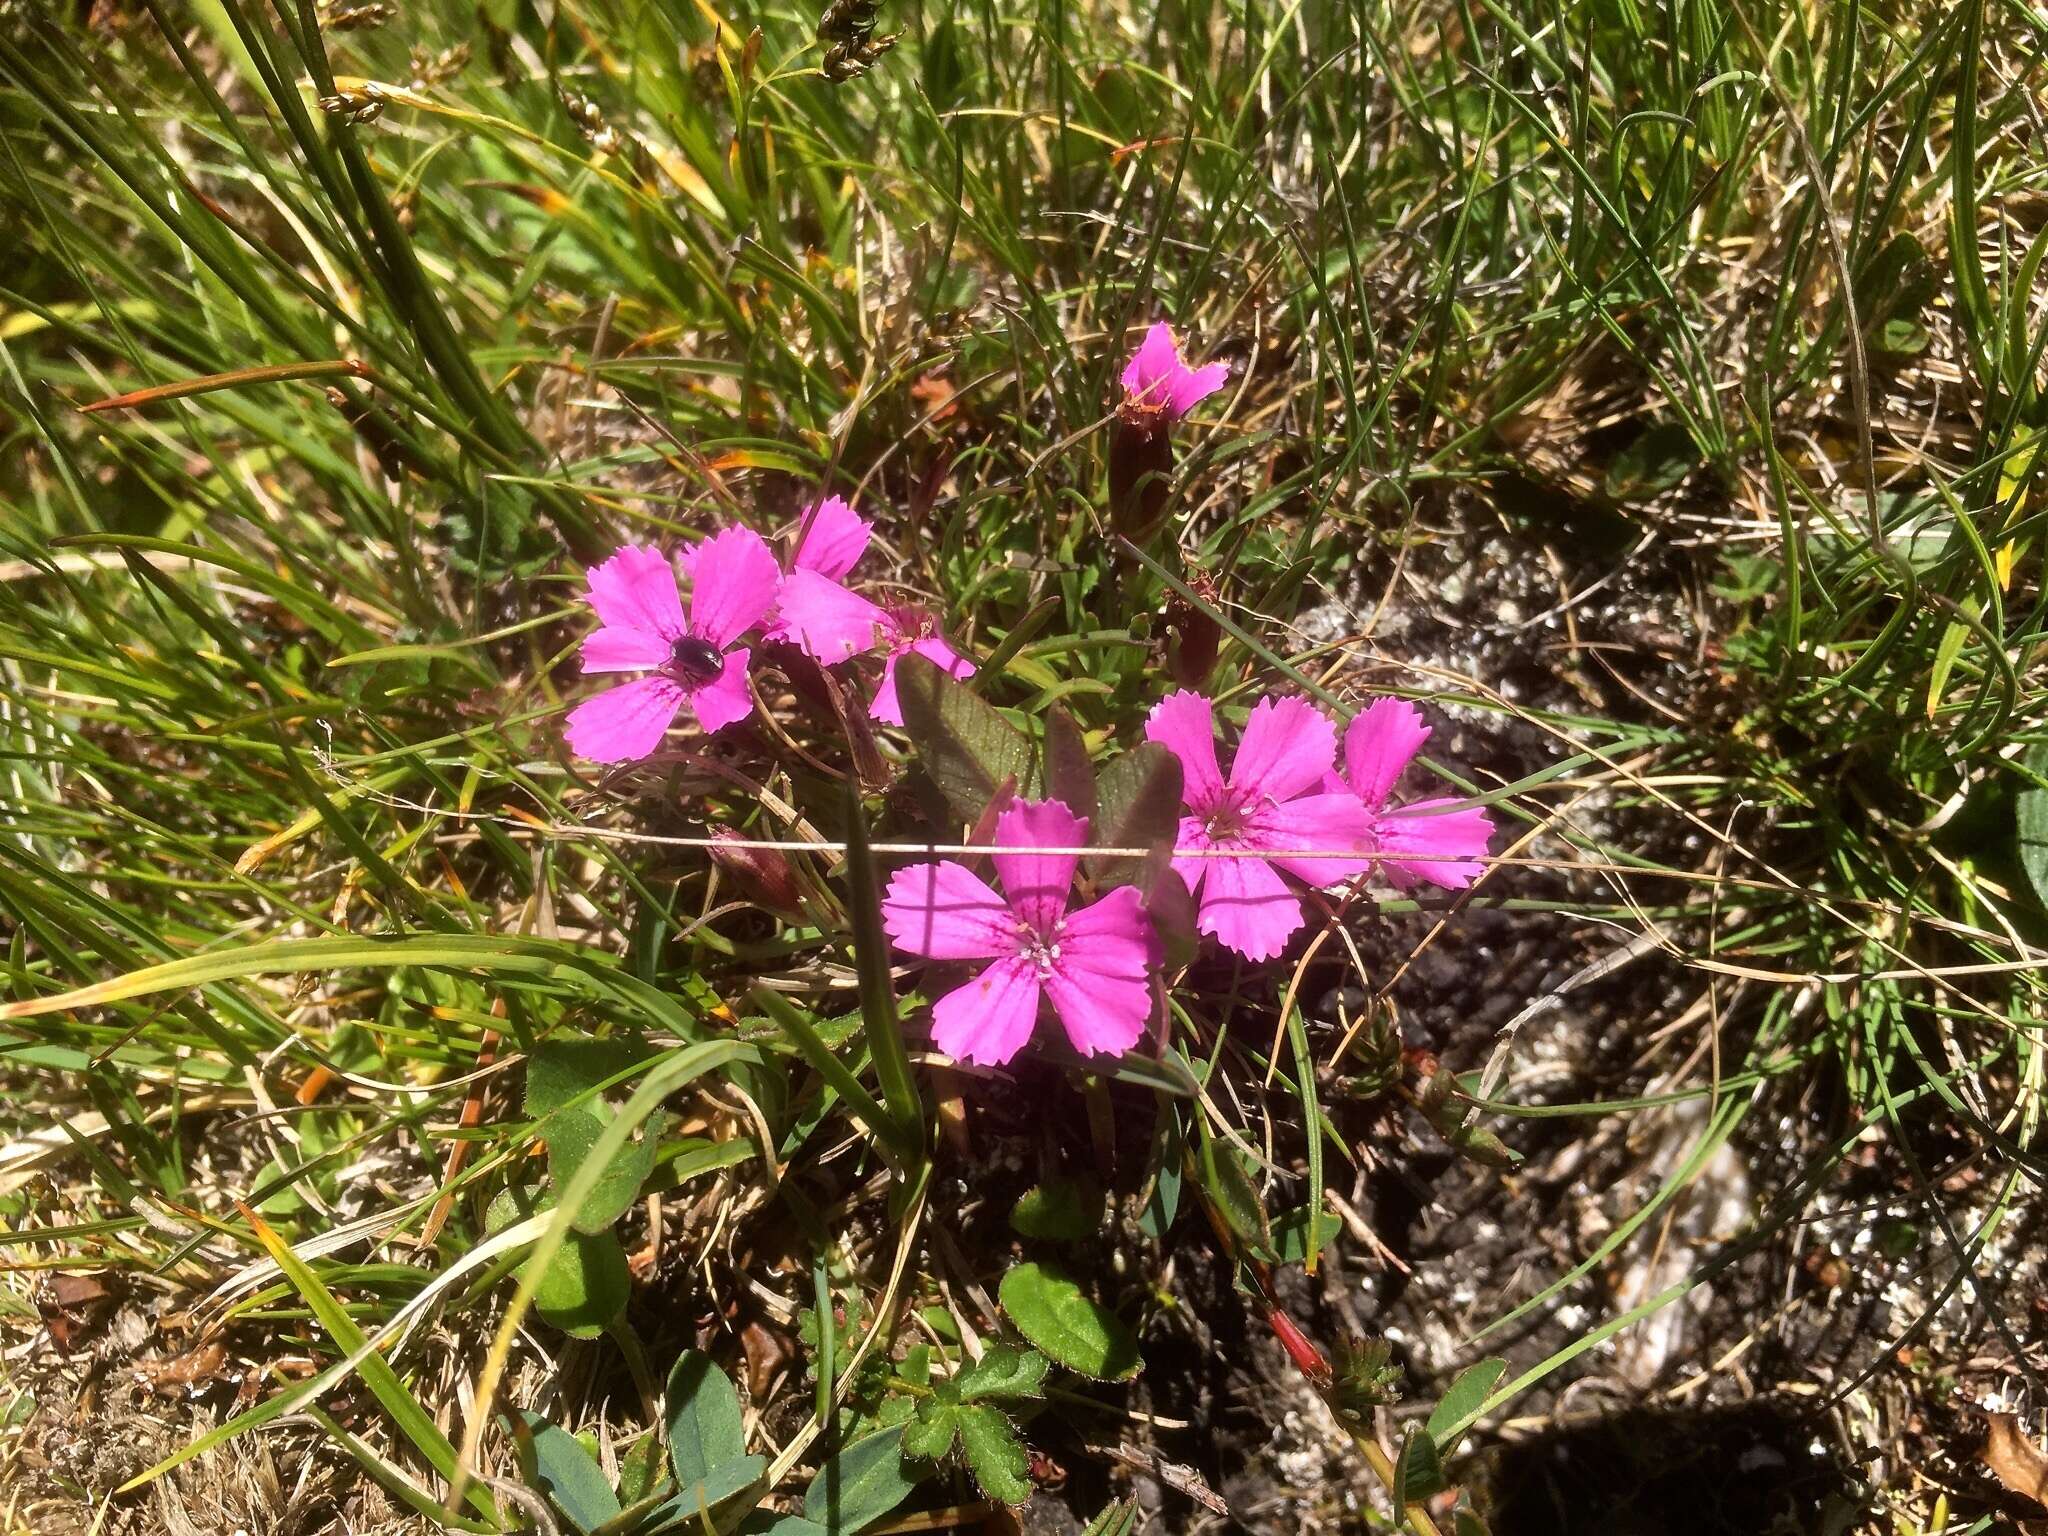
[(696, 661)]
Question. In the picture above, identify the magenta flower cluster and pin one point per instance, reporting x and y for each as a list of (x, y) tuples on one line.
[(736, 585), (1283, 817), (1280, 819)]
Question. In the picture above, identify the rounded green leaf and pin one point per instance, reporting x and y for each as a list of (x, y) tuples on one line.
[(1079, 1333), (586, 1286), (1059, 1210)]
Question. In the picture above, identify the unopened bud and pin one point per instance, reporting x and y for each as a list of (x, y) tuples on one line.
[(1196, 640), (1140, 475), (764, 875)]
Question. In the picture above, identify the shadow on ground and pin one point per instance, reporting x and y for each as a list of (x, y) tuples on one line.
[(1744, 1469)]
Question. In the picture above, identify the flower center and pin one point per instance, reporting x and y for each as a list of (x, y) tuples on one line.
[(695, 660), (910, 624), (1226, 823), (1040, 950)]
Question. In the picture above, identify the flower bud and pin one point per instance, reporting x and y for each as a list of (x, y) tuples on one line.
[(763, 875)]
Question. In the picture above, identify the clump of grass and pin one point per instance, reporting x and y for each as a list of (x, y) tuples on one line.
[(386, 329)]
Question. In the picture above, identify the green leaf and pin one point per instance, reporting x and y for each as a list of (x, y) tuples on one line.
[(930, 1435), (804, 1035), (1068, 775), (1052, 1312), (640, 1470), (1003, 1371), (994, 1454), (686, 1511), (871, 955), (570, 1476), (1461, 1404), (1418, 1470), (988, 1443), (2032, 810), (377, 1373), (1163, 1204), (1116, 1520), (1170, 907), (562, 1071), (571, 1133), (1895, 286), (1660, 458), (1233, 1193), (860, 1485), (1059, 1210), (705, 1426), (637, 1515), (1138, 806), (1483, 1147), (1946, 654), (969, 750), (1364, 1377), (784, 1525), (1290, 1233), (586, 1286)]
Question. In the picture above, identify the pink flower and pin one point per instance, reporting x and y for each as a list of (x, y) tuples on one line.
[(1441, 845), (832, 623), (909, 629), (1090, 964), (1159, 388), (1273, 804), (817, 611), (733, 579)]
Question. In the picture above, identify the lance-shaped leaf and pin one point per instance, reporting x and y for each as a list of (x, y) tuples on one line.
[(705, 1426), (964, 744), (860, 1485), (569, 1475), (1069, 776), (1137, 806)]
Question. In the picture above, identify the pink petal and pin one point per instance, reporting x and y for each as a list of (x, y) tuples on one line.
[(1248, 908), (1191, 386), (1287, 747), (1156, 361), (1037, 883), (835, 536), (946, 911), (726, 701), (1185, 724), (830, 622), (636, 589), (624, 723), (1111, 937), (1450, 842), (988, 1020), (1101, 1014), (1380, 742), (1193, 834), (733, 580), (1314, 821), (625, 650), (949, 661), (886, 706)]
